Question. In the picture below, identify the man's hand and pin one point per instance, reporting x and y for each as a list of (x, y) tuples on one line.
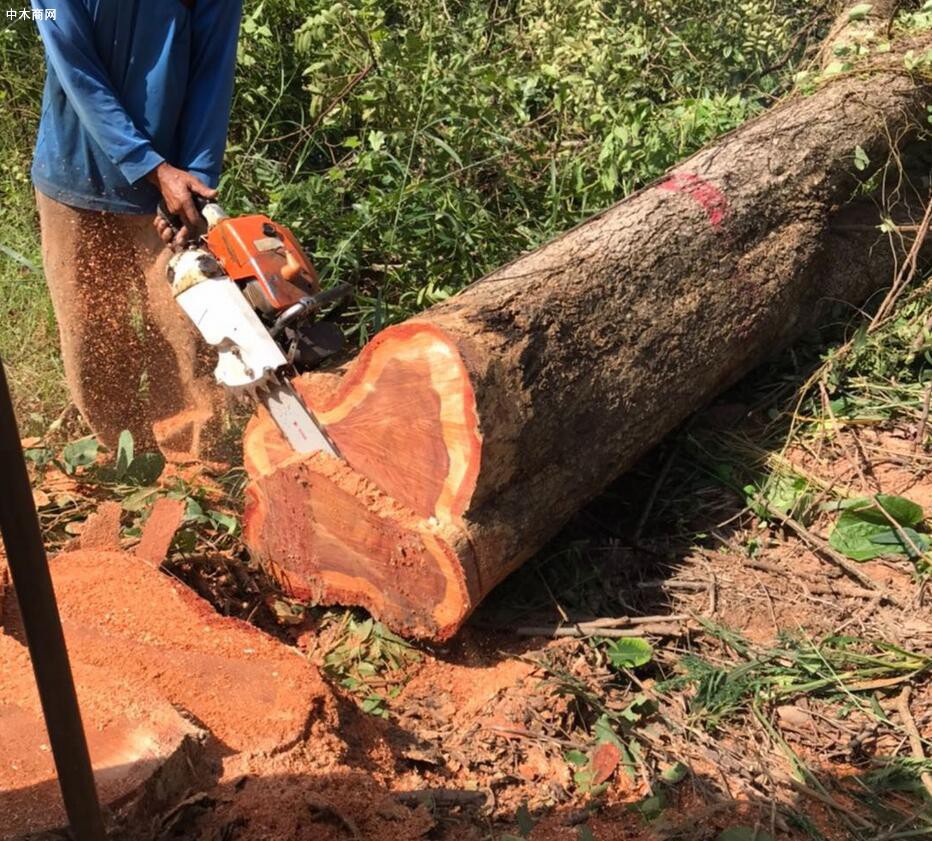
[(177, 188)]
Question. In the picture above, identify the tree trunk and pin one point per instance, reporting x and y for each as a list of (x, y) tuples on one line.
[(471, 433)]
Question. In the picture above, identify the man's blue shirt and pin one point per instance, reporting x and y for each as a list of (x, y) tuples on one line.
[(130, 84)]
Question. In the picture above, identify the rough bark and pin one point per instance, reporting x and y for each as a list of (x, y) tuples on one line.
[(474, 431)]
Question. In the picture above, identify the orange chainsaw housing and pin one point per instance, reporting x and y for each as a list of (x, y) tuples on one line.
[(255, 250)]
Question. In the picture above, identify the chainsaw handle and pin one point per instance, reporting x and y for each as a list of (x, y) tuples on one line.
[(310, 305), (173, 219)]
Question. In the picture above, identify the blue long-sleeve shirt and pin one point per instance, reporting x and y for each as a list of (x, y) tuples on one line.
[(132, 83)]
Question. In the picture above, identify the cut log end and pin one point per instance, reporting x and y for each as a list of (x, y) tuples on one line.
[(381, 528)]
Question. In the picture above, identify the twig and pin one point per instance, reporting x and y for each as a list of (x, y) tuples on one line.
[(655, 491), (923, 420), (527, 735), (906, 272), (824, 551), (441, 796), (915, 739), (907, 540), (586, 630)]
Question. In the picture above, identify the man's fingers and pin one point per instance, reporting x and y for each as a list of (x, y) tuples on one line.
[(199, 187), (180, 239), (163, 229), (189, 213)]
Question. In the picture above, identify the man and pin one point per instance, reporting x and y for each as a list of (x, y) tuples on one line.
[(136, 106)]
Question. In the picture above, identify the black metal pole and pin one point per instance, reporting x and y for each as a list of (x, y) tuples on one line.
[(22, 537)]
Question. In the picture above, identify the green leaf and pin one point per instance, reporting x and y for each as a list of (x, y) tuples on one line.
[(139, 500), (583, 833), (864, 532), (904, 511), (373, 705), (861, 160), (124, 453), (39, 456), (185, 541), (786, 494), (859, 12), (145, 469), (226, 522), (650, 807), (629, 652), (676, 773), (79, 453), (743, 833), (193, 513), (603, 731), (525, 821), (576, 757), (583, 779)]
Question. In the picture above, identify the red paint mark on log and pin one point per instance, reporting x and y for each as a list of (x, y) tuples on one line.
[(704, 193)]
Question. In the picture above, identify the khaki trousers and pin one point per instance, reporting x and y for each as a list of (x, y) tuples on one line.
[(132, 360)]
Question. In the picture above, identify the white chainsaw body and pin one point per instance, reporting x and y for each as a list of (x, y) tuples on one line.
[(247, 356)]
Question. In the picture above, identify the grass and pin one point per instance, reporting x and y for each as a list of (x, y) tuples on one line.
[(29, 337)]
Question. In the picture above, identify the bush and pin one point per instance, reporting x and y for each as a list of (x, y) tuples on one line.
[(416, 144)]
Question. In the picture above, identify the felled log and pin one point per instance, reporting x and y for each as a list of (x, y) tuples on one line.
[(471, 433)]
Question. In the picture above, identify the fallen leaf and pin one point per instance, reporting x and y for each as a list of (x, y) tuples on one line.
[(40, 498), (29, 443), (605, 760)]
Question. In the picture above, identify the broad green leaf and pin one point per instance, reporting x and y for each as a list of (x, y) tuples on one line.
[(226, 522), (650, 807), (603, 731), (79, 453), (193, 513), (783, 493), (861, 11), (39, 456), (629, 652), (139, 500), (864, 532), (904, 511), (146, 468)]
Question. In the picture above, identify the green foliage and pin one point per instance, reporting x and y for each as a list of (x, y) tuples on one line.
[(80, 453), (837, 667), (415, 145), (781, 493), (628, 652), (363, 652), (130, 468), (418, 145), (864, 530)]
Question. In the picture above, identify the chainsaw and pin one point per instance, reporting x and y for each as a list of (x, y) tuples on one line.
[(253, 294)]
